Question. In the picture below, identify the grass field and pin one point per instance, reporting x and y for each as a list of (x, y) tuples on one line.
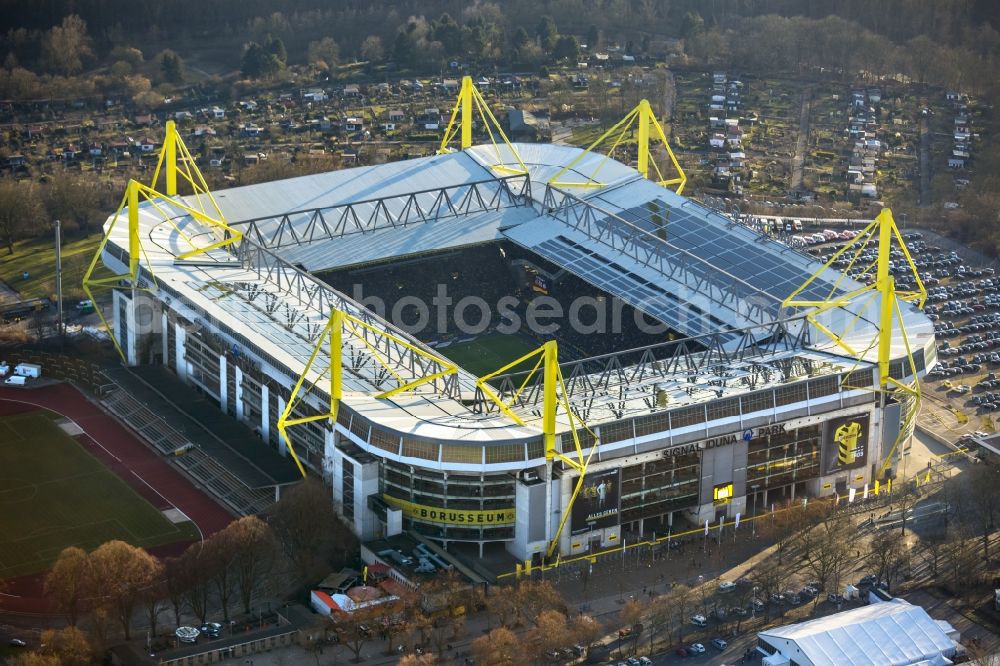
[(54, 494), (38, 257), (489, 352)]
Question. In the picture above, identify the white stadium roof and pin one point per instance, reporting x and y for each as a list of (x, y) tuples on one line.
[(706, 274)]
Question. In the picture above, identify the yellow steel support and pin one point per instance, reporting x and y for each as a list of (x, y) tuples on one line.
[(468, 104), (331, 342), (465, 99), (550, 379), (175, 160), (169, 156), (882, 230), (553, 395), (642, 115)]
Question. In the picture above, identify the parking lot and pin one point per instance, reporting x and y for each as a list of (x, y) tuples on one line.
[(962, 393)]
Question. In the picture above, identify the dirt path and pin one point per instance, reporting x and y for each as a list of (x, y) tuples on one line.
[(925, 162), (802, 142)]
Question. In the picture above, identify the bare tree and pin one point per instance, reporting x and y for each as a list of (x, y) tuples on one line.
[(153, 594), (826, 549), (66, 582), (769, 577), (310, 532), (500, 647), (354, 628), (66, 46), (197, 581), (175, 583), (785, 525), (70, 645), (121, 573), (886, 554), (254, 548), (20, 210)]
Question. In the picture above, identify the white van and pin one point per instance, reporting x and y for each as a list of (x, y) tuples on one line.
[(797, 225), (4, 368), (16, 380), (28, 370)]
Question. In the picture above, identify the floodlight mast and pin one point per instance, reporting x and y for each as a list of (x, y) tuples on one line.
[(546, 359), (175, 159), (890, 313)]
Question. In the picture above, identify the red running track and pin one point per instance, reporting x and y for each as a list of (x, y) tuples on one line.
[(112, 443)]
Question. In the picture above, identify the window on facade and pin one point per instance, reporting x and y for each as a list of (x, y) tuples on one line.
[(652, 424), (458, 453), (385, 440), (756, 402), (616, 432), (687, 416), (418, 449), (721, 409), (823, 386), (789, 395), (498, 453)]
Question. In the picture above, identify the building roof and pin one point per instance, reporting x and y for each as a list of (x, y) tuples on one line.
[(894, 633), (706, 274)]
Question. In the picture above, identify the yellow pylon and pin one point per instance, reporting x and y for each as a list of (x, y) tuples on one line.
[(553, 395), (642, 115), (467, 105)]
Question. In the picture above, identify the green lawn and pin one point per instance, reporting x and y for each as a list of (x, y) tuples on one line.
[(37, 256), (54, 494), (489, 352)]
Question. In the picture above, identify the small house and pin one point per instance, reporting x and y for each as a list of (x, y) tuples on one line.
[(218, 113), (96, 150), (352, 90), (182, 115), (719, 77), (956, 162), (147, 145), (315, 95), (353, 124), (953, 95), (717, 140), (203, 130), (250, 130), (450, 86)]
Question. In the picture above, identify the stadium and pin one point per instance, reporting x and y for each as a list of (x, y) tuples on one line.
[(653, 371)]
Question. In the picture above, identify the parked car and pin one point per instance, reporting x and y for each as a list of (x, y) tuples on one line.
[(211, 629), (696, 648), (727, 586), (719, 644), (699, 620)]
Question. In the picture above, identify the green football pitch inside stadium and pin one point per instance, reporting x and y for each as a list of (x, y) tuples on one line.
[(54, 494), (489, 352)]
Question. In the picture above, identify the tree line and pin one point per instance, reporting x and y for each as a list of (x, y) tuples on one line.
[(107, 589)]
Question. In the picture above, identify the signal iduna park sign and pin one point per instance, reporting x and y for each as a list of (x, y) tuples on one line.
[(725, 440), (436, 514)]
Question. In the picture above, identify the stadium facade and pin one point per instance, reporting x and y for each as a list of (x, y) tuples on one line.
[(740, 405)]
